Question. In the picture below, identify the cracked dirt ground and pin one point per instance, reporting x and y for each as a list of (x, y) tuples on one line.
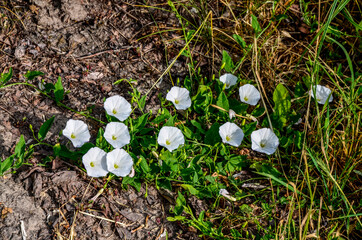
[(90, 44)]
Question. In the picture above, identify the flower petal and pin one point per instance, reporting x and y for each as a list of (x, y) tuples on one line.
[(264, 140), (118, 107), (321, 94), (77, 132), (117, 134), (170, 138), (95, 163), (249, 94), (180, 97), (119, 162), (229, 80), (232, 134)]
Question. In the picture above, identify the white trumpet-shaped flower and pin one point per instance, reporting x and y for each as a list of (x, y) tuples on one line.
[(229, 80), (264, 140), (95, 162), (119, 162), (232, 113), (231, 134), (77, 132), (170, 138), (225, 193), (117, 134), (118, 107), (321, 94), (180, 97), (249, 94)]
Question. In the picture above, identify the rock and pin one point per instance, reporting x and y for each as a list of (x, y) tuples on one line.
[(75, 10), (20, 52), (95, 76)]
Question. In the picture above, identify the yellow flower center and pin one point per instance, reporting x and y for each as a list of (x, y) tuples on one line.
[(91, 164), (177, 101), (262, 143), (114, 111), (115, 166), (114, 138), (228, 138), (72, 136), (227, 84), (318, 99), (168, 142), (246, 98)]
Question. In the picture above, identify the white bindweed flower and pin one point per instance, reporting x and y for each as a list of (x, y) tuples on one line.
[(117, 134), (118, 107), (229, 80), (95, 162), (230, 133), (232, 113), (170, 138), (180, 97), (264, 140), (119, 162), (225, 193), (77, 132), (322, 94), (249, 94)]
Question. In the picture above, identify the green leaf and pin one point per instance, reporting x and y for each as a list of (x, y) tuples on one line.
[(222, 101), (255, 24), (20, 147), (249, 128), (170, 122), (239, 40), (212, 135), (180, 204), (144, 165), (141, 122), (188, 133), (198, 126), (170, 162), (134, 182), (63, 151), (202, 100), (238, 107), (165, 184), (59, 90), (142, 102), (5, 77), (49, 87), (282, 101), (227, 62), (190, 188), (298, 140), (100, 140), (299, 90), (30, 75), (279, 17), (45, 128), (6, 164), (188, 83), (176, 218), (160, 119)]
